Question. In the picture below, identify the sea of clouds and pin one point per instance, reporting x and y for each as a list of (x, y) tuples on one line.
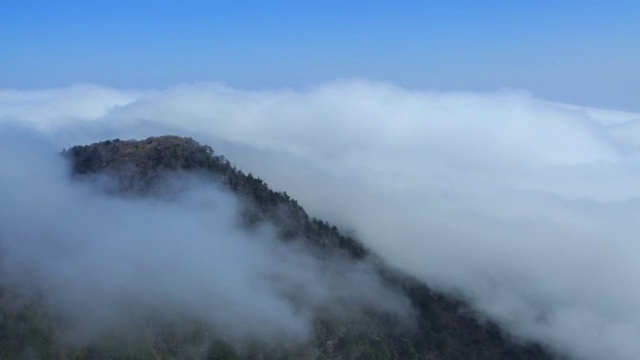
[(527, 207)]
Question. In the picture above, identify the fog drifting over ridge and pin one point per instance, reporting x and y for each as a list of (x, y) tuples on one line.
[(103, 263), (527, 207)]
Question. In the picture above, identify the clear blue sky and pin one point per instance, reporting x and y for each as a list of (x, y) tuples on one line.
[(577, 51)]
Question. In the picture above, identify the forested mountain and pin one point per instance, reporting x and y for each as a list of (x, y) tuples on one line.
[(442, 327)]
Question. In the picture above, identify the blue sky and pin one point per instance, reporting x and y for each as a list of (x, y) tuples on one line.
[(582, 52)]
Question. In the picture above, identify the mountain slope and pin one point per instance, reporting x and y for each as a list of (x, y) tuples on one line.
[(443, 327)]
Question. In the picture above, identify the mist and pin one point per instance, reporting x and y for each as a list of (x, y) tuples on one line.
[(104, 263), (527, 208)]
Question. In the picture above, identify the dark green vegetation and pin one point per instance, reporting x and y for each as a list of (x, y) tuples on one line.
[(443, 328)]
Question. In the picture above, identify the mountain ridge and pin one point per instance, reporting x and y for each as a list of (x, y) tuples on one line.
[(445, 327)]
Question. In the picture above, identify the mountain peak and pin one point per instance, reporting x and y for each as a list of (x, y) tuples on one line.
[(444, 326)]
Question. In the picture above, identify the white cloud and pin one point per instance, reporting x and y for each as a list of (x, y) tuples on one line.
[(43, 108), (529, 207)]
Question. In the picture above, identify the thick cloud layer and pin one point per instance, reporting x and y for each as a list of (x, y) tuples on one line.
[(528, 207), (98, 258)]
